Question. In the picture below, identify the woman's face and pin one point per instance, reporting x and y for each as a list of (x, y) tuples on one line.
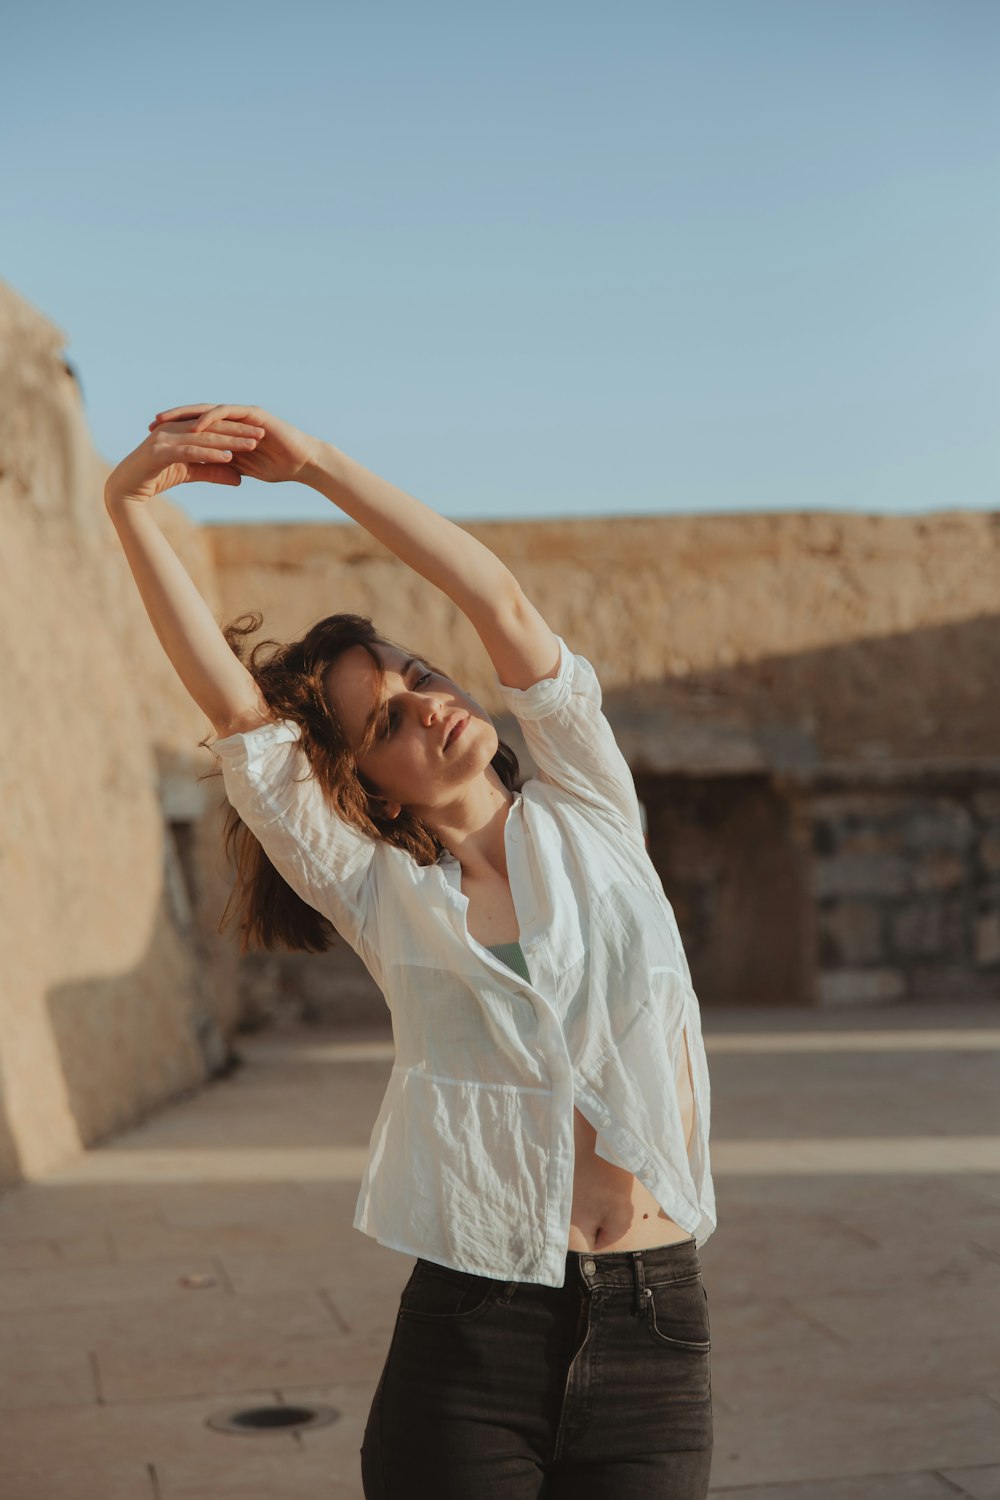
[(409, 762)]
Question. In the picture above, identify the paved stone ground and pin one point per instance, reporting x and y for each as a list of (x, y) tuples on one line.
[(206, 1262)]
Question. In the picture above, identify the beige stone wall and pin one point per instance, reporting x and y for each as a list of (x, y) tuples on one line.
[(722, 642), (113, 998)]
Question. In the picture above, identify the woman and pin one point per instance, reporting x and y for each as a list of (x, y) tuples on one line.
[(542, 1147)]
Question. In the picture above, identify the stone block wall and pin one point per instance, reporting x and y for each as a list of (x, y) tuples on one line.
[(906, 882)]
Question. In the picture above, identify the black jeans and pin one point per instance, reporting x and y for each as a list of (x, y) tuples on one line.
[(600, 1389)]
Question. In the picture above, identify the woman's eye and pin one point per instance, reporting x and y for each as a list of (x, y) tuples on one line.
[(390, 722)]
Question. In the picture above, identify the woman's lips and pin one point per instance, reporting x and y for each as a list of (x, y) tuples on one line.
[(454, 732)]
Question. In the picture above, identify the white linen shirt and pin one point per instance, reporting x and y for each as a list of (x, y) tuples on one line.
[(472, 1152)]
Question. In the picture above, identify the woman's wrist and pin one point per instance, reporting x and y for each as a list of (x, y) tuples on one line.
[(117, 501), (323, 467)]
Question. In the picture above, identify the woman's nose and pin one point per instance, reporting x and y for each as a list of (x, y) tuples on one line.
[(433, 712)]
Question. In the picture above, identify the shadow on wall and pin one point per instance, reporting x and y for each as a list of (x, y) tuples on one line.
[(925, 694), (116, 1045)]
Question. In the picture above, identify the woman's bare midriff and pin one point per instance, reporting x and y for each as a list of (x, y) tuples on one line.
[(611, 1208)]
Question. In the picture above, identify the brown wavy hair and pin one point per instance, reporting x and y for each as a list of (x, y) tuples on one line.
[(290, 678)]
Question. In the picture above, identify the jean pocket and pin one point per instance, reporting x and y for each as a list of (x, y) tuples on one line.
[(677, 1314), (443, 1295)]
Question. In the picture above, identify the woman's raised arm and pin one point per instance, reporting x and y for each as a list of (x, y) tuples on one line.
[(520, 644), (216, 679)]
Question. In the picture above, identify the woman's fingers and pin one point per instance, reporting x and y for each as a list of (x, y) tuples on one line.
[(183, 411), (206, 414), (197, 454), (217, 474), (237, 429), (210, 440), (240, 429), (214, 414)]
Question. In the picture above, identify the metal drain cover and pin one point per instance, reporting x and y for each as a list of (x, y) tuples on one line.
[(253, 1420)]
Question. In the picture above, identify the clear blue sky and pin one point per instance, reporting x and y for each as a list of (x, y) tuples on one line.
[(529, 259)]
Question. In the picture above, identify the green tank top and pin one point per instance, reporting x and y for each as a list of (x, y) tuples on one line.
[(511, 955)]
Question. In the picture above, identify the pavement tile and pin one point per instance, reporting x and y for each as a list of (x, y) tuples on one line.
[(374, 1289), (960, 1298), (754, 1378), (326, 1462), (49, 1375), (926, 1486), (292, 1235), (130, 1374), (92, 1446), (55, 1287), (256, 1477), (985, 1185), (40, 1209), (92, 1247), (788, 1253), (163, 1349), (256, 1342), (800, 1434), (977, 1483), (925, 1202), (111, 1478)]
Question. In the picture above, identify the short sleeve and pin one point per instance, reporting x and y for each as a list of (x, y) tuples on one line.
[(570, 739), (270, 783)]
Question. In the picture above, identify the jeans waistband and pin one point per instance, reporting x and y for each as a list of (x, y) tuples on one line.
[(601, 1268), (632, 1268)]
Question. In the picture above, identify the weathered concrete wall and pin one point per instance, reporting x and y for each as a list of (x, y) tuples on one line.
[(722, 642), (113, 998)]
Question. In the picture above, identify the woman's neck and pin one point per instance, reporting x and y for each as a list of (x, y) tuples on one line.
[(473, 829)]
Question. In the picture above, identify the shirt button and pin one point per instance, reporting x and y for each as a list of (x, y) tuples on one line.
[(590, 1266), (605, 1119)]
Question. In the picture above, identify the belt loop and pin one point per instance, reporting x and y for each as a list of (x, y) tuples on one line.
[(508, 1291), (640, 1282)]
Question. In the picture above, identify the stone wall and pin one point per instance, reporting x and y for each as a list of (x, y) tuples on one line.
[(723, 643), (907, 885), (849, 886), (117, 993)]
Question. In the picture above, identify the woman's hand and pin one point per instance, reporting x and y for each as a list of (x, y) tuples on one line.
[(176, 452), (282, 452)]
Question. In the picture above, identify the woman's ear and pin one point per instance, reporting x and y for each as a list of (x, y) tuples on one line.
[(389, 809)]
